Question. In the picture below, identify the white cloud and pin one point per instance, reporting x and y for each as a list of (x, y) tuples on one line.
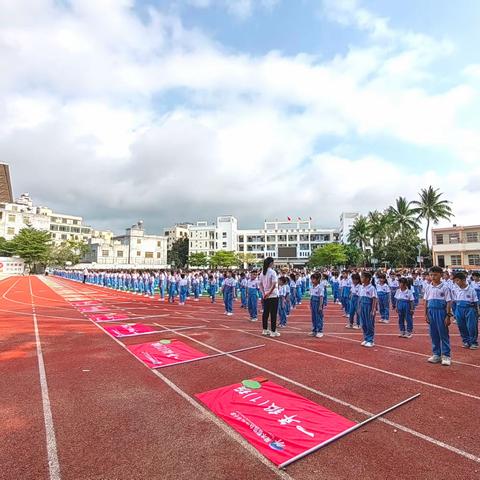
[(240, 8), (86, 103)]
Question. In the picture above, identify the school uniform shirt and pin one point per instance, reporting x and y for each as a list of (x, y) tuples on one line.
[(345, 282), (252, 283), (267, 281), (355, 291), (438, 292), (316, 291), (393, 283), (406, 294), (467, 294), (183, 282), (230, 282), (383, 288), (367, 291)]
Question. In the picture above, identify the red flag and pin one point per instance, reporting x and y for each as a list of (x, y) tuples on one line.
[(289, 219), (299, 218)]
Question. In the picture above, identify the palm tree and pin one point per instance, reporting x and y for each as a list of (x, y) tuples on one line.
[(432, 209), (360, 232), (403, 216)]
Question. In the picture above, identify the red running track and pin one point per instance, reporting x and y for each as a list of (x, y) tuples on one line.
[(113, 418)]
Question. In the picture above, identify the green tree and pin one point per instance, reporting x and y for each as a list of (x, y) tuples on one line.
[(403, 215), (354, 255), (432, 209), (178, 255), (332, 254), (6, 248), (224, 259), (68, 252), (34, 246), (246, 259), (402, 250), (198, 259), (360, 234)]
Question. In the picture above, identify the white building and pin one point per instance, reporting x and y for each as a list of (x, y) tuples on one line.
[(347, 219), (22, 213), (290, 242), (135, 249), (175, 233), (11, 266)]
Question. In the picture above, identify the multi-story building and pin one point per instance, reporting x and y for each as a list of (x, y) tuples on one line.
[(22, 213), (457, 246), (347, 219), (290, 242), (175, 233), (11, 266), (135, 249)]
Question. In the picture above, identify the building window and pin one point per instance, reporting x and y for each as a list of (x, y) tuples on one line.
[(64, 236), (455, 260), (104, 253), (11, 218), (439, 239), (224, 234), (139, 241), (10, 231), (224, 244), (139, 254), (472, 237), (148, 254), (159, 255), (159, 243), (474, 259), (120, 254), (454, 238)]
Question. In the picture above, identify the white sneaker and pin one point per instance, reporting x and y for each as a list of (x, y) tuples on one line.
[(311, 334), (319, 335), (474, 347), (356, 327), (369, 344), (265, 332), (274, 334), (225, 313), (363, 343), (466, 345), (229, 314), (408, 335), (348, 326), (434, 359), (446, 361), (402, 335)]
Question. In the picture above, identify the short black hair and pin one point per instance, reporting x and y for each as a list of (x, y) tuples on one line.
[(436, 269), (459, 276)]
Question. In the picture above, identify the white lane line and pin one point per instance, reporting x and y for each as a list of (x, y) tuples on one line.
[(206, 413), (398, 349), (398, 426), (53, 464)]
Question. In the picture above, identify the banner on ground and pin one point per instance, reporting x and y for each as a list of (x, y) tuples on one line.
[(129, 330), (92, 309), (108, 317), (279, 423), (165, 352), (85, 303)]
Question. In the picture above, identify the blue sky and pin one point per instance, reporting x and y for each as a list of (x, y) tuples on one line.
[(184, 110)]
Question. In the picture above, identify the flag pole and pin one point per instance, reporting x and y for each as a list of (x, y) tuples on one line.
[(346, 432)]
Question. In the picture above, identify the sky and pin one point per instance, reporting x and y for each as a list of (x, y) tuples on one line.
[(183, 110)]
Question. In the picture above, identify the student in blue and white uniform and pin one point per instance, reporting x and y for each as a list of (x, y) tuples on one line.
[(335, 283), (252, 296), (438, 304), (268, 284), (345, 286), (228, 289), (212, 288), (367, 304), (293, 291), (183, 289), (316, 305), (298, 290), (282, 301), (466, 300), (405, 307), (172, 288), (393, 284), (354, 296), (383, 292), (243, 290)]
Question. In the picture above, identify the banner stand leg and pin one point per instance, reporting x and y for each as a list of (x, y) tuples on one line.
[(346, 432)]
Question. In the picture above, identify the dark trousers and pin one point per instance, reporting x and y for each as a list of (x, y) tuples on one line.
[(84, 278), (270, 309)]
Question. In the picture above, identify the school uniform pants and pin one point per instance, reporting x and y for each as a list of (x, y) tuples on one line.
[(345, 299), (405, 319), (353, 310), (437, 313), (252, 303), (228, 299), (317, 315), (243, 296), (467, 322), (384, 305), (367, 318), (270, 309), (282, 310), (393, 291)]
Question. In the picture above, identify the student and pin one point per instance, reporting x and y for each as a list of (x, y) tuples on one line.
[(282, 301), (172, 288), (196, 287), (228, 289), (293, 291), (475, 283), (335, 287), (316, 305), (354, 292), (345, 286), (383, 292), (438, 311), (405, 307), (243, 290), (298, 290), (268, 281), (393, 284), (212, 287), (252, 296), (367, 304), (324, 282), (183, 289), (466, 311)]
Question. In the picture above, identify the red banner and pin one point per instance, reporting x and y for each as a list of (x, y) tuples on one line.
[(108, 317), (98, 308), (129, 330), (165, 352), (277, 422), (85, 303)]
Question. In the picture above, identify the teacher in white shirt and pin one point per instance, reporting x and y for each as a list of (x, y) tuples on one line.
[(268, 286)]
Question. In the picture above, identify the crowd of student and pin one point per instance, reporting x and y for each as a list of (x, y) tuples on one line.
[(360, 292)]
